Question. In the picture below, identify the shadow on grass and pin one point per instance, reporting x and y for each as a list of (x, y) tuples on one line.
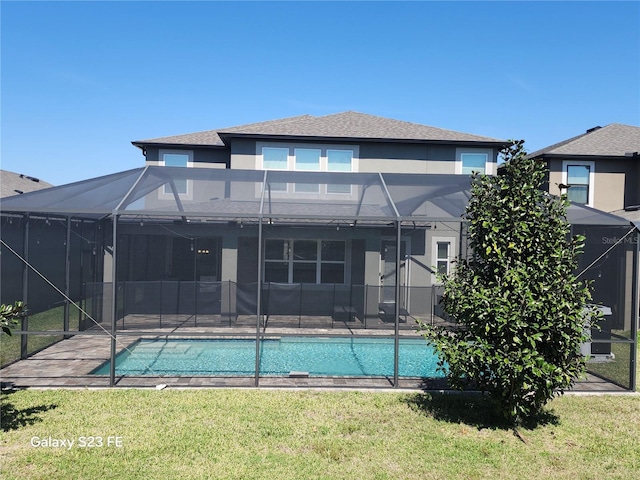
[(13, 418), (472, 409)]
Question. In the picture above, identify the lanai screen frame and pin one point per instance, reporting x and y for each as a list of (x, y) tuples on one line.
[(435, 198), (371, 199)]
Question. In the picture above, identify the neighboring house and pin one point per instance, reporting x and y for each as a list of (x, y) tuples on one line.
[(343, 142), (17, 183), (600, 168)]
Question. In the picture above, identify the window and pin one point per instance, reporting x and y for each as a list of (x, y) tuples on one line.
[(276, 159), (339, 161), (442, 254), (304, 261), (469, 160), (578, 182), (443, 250), (473, 162), (579, 177), (177, 158), (308, 158)]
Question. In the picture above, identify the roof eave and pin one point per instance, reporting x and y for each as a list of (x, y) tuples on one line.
[(319, 138), (142, 145), (576, 156)]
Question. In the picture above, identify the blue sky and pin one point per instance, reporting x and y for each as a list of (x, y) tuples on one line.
[(81, 80)]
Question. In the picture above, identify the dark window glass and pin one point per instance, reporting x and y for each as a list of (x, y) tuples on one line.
[(305, 250), (332, 251), (332, 273), (304, 272)]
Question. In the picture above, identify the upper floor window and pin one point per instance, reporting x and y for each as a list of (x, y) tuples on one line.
[(308, 158), (177, 158), (275, 158), (473, 162), (579, 177), (312, 157), (339, 160), (578, 182), (470, 160)]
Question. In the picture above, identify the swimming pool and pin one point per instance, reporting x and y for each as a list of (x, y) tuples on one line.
[(278, 357)]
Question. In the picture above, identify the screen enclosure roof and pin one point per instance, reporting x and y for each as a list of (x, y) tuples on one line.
[(237, 195)]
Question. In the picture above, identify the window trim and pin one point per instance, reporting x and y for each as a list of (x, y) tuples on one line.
[(592, 176), (323, 147), (323, 165), (489, 166), (164, 193), (434, 255)]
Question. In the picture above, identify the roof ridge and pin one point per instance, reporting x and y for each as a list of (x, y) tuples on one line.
[(346, 124)]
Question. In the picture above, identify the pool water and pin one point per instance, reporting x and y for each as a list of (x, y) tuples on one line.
[(315, 356)]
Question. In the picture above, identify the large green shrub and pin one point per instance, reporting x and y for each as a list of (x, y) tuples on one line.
[(520, 309)]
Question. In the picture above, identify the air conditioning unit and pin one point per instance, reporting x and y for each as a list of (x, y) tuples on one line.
[(585, 348)]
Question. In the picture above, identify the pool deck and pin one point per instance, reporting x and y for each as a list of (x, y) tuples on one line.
[(68, 364)]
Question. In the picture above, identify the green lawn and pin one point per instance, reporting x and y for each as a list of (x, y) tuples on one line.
[(52, 319), (310, 434)]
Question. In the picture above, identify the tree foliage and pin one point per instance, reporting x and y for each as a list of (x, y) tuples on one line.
[(520, 309), (9, 315)]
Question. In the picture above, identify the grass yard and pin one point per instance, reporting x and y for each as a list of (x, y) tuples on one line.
[(311, 434), (52, 319)]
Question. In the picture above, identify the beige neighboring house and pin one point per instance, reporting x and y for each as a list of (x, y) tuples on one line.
[(12, 183), (600, 169)]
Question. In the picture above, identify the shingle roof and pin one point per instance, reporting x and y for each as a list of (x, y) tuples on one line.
[(613, 140), (16, 183), (352, 125)]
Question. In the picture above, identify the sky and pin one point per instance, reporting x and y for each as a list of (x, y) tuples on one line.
[(81, 80)]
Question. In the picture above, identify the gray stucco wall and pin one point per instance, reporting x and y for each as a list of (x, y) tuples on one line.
[(383, 157), (200, 155), (616, 182)]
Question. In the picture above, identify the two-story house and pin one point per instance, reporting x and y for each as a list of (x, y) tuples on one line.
[(343, 142)]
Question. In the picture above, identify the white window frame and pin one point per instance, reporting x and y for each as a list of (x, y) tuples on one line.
[(592, 176), (324, 165), (489, 166), (166, 192), (434, 255)]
